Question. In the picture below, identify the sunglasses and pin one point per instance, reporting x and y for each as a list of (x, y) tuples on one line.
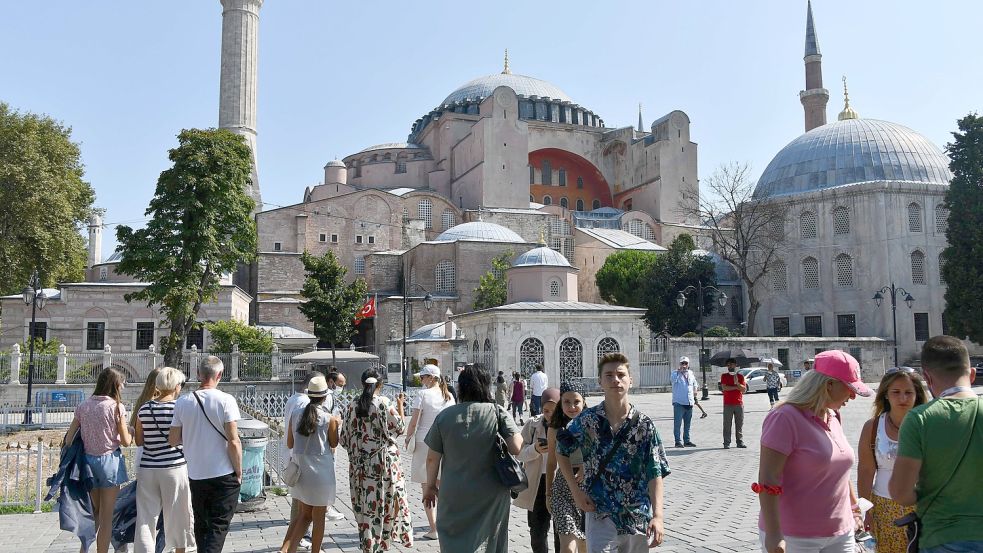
[(905, 370)]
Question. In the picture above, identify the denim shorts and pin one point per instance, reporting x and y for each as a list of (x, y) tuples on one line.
[(109, 470)]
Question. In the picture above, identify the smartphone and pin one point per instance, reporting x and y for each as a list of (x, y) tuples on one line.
[(543, 442)]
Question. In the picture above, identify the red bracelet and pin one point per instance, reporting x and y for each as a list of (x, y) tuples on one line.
[(763, 488)]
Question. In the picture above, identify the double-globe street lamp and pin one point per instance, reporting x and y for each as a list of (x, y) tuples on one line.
[(35, 297), (681, 301), (428, 303), (908, 299)]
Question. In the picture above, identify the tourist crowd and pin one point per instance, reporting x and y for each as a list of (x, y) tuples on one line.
[(594, 474)]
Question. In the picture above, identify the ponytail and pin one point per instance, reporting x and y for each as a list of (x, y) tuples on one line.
[(308, 420), (370, 381), (442, 383)]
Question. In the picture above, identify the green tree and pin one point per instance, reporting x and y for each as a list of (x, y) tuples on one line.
[(226, 334), (331, 303), (492, 290), (200, 228), (623, 278), (45, 201), (962, 260)]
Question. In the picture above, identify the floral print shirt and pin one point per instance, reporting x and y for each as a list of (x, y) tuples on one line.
[(622, 491), (773, 379)]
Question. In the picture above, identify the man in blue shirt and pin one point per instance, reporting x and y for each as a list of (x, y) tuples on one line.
[(624, 464), (684, 388)]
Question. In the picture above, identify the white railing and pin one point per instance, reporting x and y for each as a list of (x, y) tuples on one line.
[(83, 368), (4, 368)]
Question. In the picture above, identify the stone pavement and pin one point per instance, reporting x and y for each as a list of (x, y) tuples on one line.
[(709, 504)]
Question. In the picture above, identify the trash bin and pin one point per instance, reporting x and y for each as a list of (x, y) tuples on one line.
[(254, 436)]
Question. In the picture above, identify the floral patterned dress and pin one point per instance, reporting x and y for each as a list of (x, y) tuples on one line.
[(375, 475)]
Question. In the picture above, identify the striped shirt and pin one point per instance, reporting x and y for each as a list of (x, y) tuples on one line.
[(155, 418)]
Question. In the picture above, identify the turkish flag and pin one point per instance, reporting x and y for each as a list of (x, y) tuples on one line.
[(367, 311)]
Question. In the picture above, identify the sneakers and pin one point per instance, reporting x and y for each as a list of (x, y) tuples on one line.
[(726, 446), (679, 444), (334, 514), (741, 445), (305, 543), (431, 535), (690, 444), (703, 416)]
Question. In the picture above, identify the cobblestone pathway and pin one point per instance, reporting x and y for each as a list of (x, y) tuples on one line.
[(709, 505)]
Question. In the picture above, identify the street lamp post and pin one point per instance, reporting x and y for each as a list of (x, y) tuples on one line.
[(35, 297), (908, 299), (681, 301), (428, 303)]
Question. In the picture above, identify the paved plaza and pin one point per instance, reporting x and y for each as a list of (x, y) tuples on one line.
[(709, 504)]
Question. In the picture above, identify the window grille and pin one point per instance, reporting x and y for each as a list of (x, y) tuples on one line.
[(532, 175), (783, 356), (196, 338), (277, 246), (424, 209), (447, 219), (596, 204), (921, 327), (95, 336), (571, 359), (531, 355), (780, 326), (607, 345), (360, 265), (358, 238), (814, 325), (810, 273), (914, 217), (941, 219), (807, 225), (777, 226), (844, 270), (547, 172), (779, 276), (103, 273), (841, 221), (475, 352), (371, 239), (846, 325), (488, 356), (145, 335), (322, 237), (400, 166), (562, 177), (917, 267), (547, 200), (941, 267), (580, 205), (334, 238), (563, 202), (446, 277), (580, 183), (554, 288)]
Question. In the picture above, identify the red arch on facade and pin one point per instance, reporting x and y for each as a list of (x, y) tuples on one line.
[(595, 186)]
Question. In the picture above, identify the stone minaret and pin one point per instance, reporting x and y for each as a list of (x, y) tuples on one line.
[(814, 97), (641, 127), (237, 88), (95, 240)]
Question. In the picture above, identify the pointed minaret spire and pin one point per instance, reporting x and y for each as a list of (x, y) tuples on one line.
[(641, 126), (814, 98), (506, 70)]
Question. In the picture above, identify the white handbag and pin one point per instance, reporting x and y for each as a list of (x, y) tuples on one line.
[(291, 474), (411, 445)]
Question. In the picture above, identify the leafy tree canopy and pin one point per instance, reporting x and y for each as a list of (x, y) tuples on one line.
[(623, 278), (492, 290), (331, 303), (962, 265), (200, 228), (226, 334), (45, 201)]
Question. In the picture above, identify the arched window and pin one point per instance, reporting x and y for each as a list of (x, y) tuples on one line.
[(810, 273), (607, 345), (547, 200), (777, 226), (596, 204), (446, 277), (423, 211), (917, 267), (571, 359), (844, 270), (563, 202), (941, 266), (941, 219), (488, 356), (841, 221), (530, 355), (532, 175), (475, 352), (554, 288), (779, 276), (447, 219), (914, 217), (563, 177), (580, 184), (640, 229), (360, 265), (807, 225), (580, 205), (547, 172)]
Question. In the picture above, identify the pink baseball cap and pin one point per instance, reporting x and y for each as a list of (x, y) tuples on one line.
[(843, 367)]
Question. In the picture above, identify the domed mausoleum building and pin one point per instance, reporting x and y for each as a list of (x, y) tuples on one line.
[(864, 201)]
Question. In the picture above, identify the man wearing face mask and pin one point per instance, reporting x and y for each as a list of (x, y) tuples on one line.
[(734, 386), (336, 384)]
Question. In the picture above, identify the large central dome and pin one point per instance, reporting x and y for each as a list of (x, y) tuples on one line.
[(482, 87), (853, 151)]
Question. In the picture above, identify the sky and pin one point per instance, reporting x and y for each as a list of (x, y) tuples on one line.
[(337, 77)]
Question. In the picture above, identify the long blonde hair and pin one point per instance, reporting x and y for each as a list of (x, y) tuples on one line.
[(149, 392), (811, 393), (442, 384)]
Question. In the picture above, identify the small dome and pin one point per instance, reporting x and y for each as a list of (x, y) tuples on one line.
[(853, 151), (335, 163), (541, 256), (393, 146), (433, 331), (523, 86), (480, 231), (726, 273)]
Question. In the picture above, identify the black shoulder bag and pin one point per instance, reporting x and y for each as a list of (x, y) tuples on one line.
[(509, 469), (619, 439), (912, 523), (203, 412)]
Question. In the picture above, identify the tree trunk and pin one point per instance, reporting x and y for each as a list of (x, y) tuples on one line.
[(752, 313), (173, 352)]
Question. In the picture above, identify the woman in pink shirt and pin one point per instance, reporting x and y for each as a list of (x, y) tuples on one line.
[(101, 419), (807, 502)]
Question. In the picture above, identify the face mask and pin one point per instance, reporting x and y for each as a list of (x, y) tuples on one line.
[(731, 369)]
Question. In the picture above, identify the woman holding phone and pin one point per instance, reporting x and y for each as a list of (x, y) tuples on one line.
[(533, 456)]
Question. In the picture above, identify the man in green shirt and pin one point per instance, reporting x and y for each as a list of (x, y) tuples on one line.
[(932, 471)]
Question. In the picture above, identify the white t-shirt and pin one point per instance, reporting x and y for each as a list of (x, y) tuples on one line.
[(538, 381), (204, 448), (294, 402), (430, 403)]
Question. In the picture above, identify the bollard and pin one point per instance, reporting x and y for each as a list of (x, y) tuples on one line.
[(37, 497), (44, 416)]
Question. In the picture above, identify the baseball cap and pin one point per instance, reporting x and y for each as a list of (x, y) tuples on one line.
[(843, 367), (317, 387), (684, 359), (429, 370)]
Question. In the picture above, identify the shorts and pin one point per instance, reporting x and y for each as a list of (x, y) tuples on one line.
[(108, 471)]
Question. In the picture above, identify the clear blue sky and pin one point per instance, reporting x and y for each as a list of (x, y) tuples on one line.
[(336, 77)]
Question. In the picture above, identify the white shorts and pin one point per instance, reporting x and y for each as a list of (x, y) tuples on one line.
[(602, 537), (835, 544)]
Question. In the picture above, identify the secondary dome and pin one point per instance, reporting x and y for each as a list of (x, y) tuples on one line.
[(482, 87), (725, 272), (853, 151), (541, 256), (480, 231)]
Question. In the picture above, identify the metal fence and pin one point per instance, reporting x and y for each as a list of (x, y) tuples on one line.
[(4, 368), (654, 368), (45, 368), (135, 366), (83, 368), (46, 415)]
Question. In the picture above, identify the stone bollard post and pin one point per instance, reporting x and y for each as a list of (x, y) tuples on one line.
[(15, 360), (236, 358), (275, 364), (62, 365), (193, 365), (107, 357), (151, 358)]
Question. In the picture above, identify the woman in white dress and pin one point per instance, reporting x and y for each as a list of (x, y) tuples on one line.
[(431, 401), (311, 435)]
